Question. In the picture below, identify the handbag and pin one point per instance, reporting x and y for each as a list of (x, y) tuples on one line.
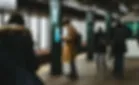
[(78, 43)]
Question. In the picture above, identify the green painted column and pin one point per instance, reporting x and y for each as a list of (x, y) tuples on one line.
[(137, 31), (108, 27), (89, 25), (108, 22), (55, 19), (135, 28)]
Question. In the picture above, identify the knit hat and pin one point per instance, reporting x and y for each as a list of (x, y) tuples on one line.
[(16, 18)]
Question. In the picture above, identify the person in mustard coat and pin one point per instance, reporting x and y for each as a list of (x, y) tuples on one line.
[(69, 46)]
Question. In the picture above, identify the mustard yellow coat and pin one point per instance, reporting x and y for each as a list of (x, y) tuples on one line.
[(69, 48)]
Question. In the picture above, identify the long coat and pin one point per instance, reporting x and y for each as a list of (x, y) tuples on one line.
[(69, 46), (16, 50), (118, 36)]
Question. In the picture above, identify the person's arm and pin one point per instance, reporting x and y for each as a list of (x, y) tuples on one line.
[(65, 34), (68, 38)]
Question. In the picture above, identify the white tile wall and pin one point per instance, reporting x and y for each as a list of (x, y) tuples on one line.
[(45, 33), (6, 17), (33, 28)]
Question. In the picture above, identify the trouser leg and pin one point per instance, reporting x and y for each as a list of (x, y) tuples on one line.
[(119, 64), (73, 72), (98, 62), (90, 56), (101, 64), (73, 68)]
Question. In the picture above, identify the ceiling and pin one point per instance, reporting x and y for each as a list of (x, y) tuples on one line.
[(111, 5)]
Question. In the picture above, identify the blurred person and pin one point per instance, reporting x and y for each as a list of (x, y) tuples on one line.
[(22, 43), (17, 49), (70, 40), (100, 44), (118, 36)]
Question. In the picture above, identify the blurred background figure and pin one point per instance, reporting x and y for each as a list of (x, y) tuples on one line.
[(100, 44), (23, 51), (118, 36), (17, 47), (70, 46)]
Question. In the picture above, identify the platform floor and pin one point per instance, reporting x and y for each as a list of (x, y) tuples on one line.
[(87, 74)]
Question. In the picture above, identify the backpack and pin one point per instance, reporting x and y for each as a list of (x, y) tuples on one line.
[(78, 43)]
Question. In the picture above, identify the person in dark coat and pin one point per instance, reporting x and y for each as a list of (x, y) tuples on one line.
[(17, 49), (21, 44), (118, 36), (100, 44)]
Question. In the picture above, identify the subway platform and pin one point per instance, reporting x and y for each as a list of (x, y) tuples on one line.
[(88, 74)]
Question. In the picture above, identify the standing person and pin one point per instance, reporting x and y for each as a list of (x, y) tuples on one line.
[(17, 48), (69, 46), (21, 44), (118, 36), (100, 43)]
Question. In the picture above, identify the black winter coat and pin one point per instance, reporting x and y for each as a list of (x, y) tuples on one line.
[(16, 50), (100, 42), (118, 36)]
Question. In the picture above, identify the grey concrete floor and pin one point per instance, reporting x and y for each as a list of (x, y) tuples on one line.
[(88, 74)]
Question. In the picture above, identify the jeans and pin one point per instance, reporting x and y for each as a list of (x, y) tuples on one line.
[(101, 64), (119, 64), (73, 68)]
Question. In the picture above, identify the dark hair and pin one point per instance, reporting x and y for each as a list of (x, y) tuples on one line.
[(66, 21), (119, 24), (16, 18)]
